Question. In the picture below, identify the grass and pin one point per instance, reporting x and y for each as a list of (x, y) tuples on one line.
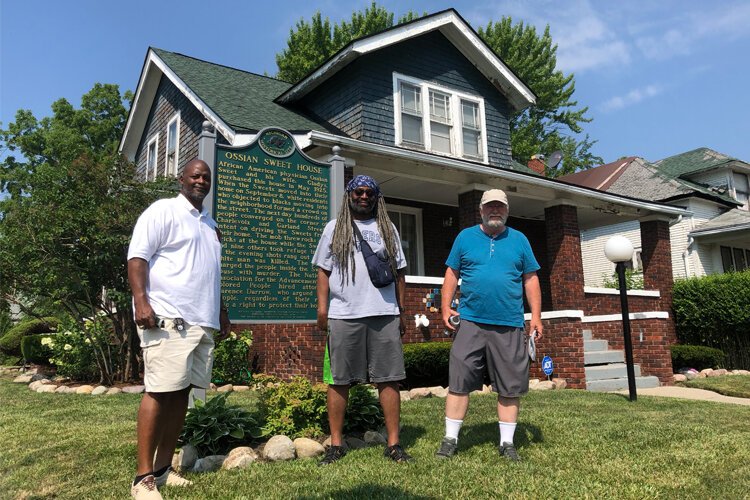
[(728, 385), (574, 444)]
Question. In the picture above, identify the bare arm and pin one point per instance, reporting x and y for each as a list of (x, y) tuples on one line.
[(323, 290), (138, 277), (400, 298), (534, 298), (450, 283)]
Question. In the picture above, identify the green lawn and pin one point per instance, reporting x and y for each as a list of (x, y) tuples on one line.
[(574, 444), (729, 385)]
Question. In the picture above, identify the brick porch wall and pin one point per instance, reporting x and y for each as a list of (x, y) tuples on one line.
[(564, 257)]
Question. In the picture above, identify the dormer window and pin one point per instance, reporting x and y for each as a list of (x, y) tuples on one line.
[(741, 188), (446, 121)]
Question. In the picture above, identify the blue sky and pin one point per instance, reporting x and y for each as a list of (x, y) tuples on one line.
[(659, 77)]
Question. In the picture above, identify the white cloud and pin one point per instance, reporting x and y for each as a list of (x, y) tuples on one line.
[(633, 97)]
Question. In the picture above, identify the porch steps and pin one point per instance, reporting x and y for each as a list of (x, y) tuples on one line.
[(606, 369)]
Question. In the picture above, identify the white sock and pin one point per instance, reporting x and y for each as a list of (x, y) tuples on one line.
[(507, 429), (452, 427)]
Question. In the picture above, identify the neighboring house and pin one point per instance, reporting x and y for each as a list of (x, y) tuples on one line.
[(423, 107), (714, 237)]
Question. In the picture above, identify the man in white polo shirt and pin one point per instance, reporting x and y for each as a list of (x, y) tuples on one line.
[(174, 269)]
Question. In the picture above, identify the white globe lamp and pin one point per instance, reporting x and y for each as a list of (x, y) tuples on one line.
[(618, 249)]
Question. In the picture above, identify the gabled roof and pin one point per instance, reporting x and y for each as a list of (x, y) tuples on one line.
[(232, 99), (453, 27), (635, 177), (693, 162), (733, 220)]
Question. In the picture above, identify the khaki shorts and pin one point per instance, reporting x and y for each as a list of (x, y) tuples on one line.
[(499, 349), (176, 359)]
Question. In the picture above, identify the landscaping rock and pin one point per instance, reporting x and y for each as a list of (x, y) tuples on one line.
[(677, 377), (63, 389), (706, 372), (47, 388), (241, 388), (134, 389), (354, 443), (225, 388), (545, 385), (84, 389), (405, 396), (307, 448), (327, 443), (533, 382), (438, 392), (279, 448), (185, 459), (209, 464), (690, 375), (113, 390), (99, 390), (239, 458), (38, 383), (22, 379), (560, 383), (419, 393), (373, 438), (718, 373), (39, 376)]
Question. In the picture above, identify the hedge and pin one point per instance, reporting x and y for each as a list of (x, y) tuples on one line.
[(33, 351), (696, 356), (11, 341), (714, 311), (427, 364)]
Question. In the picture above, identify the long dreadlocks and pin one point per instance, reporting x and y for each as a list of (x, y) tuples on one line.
[(343, 241)]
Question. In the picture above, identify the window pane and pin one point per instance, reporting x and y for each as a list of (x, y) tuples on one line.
[(406, 224), (441, 137), (440, 107), (739, 259), (470, 114), (171, 137), (411, 99), (471, 142), (411, 129), (726, 259)]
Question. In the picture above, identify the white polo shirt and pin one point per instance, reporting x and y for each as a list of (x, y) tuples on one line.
[(183, 253)]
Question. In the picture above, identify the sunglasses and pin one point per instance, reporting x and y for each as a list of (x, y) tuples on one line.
[(363, 191)]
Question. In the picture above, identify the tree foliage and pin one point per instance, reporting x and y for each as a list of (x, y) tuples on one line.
[(554, 123), (70, 208)]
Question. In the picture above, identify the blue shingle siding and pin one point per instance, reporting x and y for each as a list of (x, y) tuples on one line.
[(168, 101), (359, 99)]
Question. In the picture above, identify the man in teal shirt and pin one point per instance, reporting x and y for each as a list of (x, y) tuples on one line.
[(496, 267)]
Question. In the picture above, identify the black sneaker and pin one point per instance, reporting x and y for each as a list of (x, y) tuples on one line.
[(447, 448), (396, 453), (333, 453), (508, 451)]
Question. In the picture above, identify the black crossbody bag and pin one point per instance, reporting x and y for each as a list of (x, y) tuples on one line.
[(379, 268)]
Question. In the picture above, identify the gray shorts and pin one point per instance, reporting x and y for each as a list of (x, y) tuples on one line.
[(502, 349), (365, 350)]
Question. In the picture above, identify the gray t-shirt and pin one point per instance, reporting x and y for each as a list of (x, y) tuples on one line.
[(358, 298)]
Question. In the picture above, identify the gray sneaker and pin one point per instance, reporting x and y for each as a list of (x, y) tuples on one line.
[(447, 448), (508, 451)]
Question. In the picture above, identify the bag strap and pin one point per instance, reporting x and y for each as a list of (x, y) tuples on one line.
[(363, 245)]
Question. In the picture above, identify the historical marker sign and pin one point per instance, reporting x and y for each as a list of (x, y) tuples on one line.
[(272, 203)]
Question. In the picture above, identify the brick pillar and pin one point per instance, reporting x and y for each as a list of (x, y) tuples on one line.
[(564, 257), (468, 208), (656, 254)]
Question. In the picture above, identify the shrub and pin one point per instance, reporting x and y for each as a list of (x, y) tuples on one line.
[(231, 359), (214, 427), (696, 356), (74, 349), (427, 364), (294, 409), (713, 311), (11, 341), (633, 280), (37, 348), (363, 412)]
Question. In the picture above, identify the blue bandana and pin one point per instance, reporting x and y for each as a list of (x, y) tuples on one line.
[(363, 181)]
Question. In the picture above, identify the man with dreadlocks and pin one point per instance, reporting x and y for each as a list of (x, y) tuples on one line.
[(366, 322)]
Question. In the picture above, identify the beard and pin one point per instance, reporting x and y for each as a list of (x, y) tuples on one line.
[(494, 223), (357, 209)]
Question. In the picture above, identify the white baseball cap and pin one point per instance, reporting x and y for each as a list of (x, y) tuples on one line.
[(494, 195)]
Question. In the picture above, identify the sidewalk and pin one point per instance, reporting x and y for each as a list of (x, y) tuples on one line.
[(689, 393)]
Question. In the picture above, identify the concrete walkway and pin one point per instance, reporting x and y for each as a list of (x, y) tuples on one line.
[(688, 393)]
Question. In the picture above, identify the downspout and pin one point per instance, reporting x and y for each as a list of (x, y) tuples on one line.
[(685, 254)]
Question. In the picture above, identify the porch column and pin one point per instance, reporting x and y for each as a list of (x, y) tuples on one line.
[(564, 256), (656, 254), (468, 206)]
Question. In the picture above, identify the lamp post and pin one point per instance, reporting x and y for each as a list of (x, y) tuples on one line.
[(619, 250)]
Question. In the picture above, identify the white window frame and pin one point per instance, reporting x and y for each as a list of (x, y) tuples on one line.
[(456, 117), (735, 191), (153, 141), (417, 212), (167, 173)]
